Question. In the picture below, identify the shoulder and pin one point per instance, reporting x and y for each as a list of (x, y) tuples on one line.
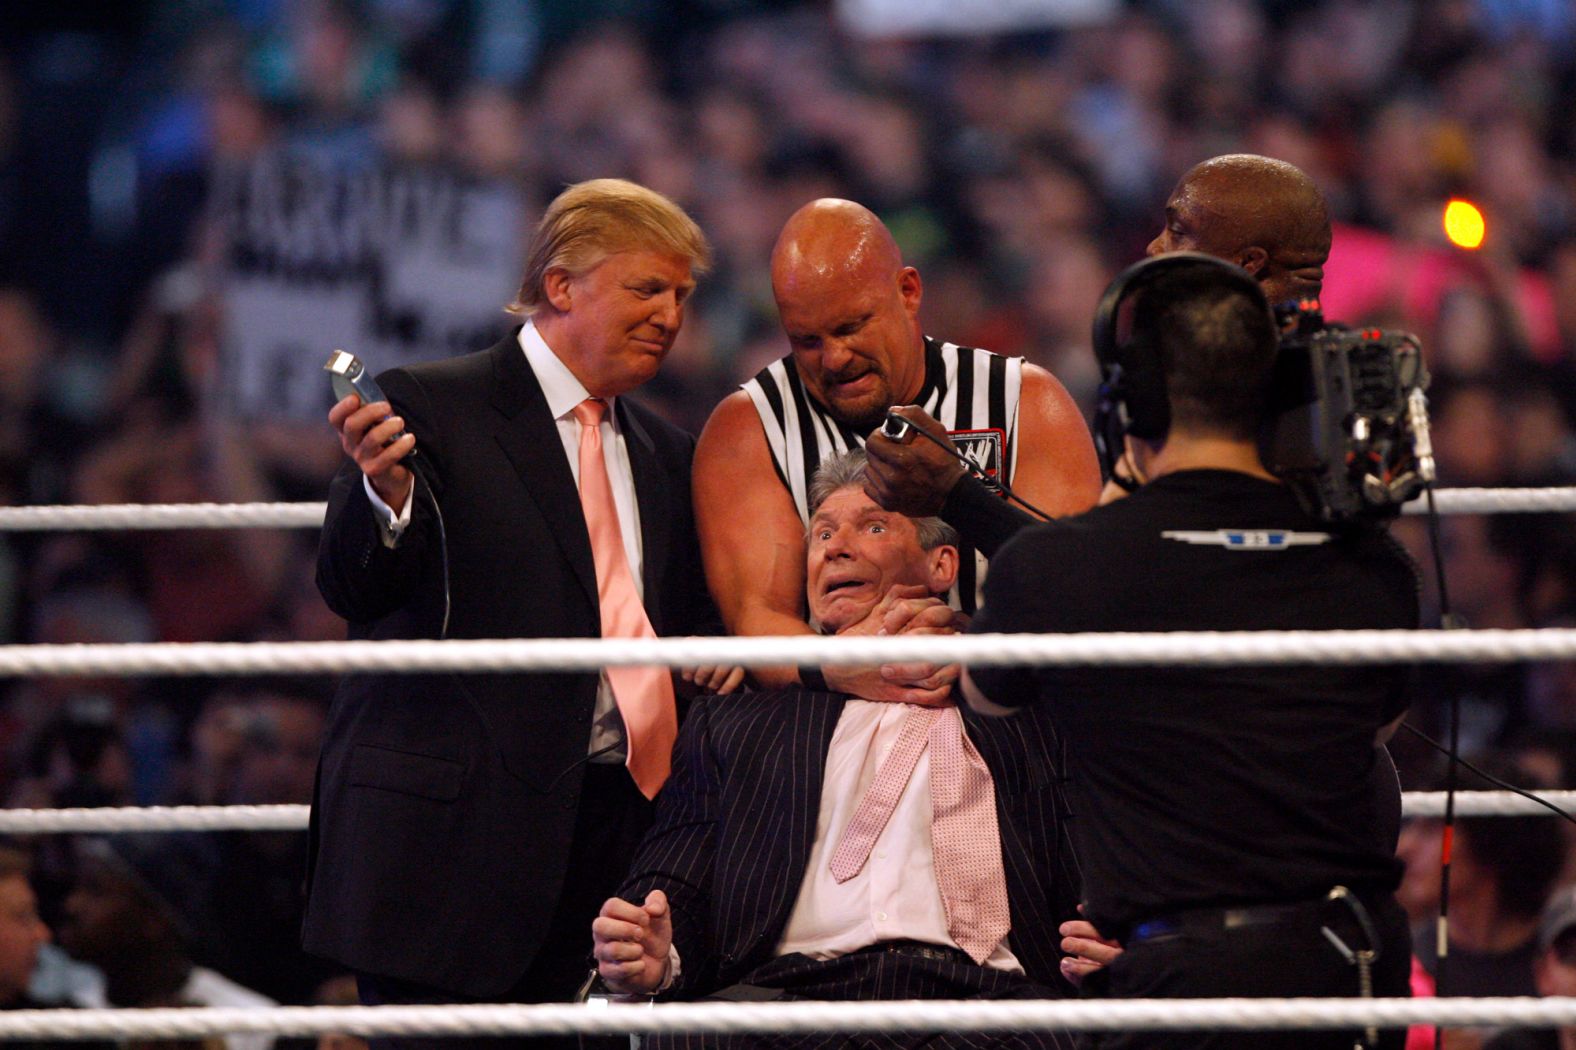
[(733, 443), (1083, 551), (1038, 382), (1046, 401), (734, 416), (474, 370), (1387, 567), (1043, 537)]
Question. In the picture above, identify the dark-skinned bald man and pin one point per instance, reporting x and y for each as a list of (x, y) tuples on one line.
[(1263, 214), (850, 308)]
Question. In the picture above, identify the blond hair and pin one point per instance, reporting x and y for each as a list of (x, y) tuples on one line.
[(594, 219)]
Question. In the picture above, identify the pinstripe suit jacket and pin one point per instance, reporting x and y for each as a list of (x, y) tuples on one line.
[(736, 823)]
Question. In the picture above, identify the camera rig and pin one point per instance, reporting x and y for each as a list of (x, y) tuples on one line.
[(1349, 432)]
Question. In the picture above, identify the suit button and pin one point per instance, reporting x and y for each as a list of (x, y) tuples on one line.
[(571, 801)]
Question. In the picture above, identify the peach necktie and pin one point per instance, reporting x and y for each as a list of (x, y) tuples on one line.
[(644, 694), (965, 839)]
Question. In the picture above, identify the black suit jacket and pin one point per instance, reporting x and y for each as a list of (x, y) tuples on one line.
[(736, 823), (445, 803)]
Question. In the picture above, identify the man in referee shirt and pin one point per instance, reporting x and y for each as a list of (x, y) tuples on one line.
[(850, 309)]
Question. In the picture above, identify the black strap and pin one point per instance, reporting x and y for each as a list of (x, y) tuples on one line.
[(984, 519)]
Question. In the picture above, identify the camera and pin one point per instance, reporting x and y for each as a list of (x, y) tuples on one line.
[(1349, 431)]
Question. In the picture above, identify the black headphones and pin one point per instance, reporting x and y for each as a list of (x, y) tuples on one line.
[(1132, 396)]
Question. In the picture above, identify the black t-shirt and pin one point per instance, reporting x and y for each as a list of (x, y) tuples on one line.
[(1200, 787)]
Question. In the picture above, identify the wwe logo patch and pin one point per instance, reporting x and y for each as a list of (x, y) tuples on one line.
[(984, 451)]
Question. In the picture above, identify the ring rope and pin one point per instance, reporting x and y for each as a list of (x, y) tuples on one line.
[(1184, 648), (1554, 499), (109, 819), (758, 1018), (1210, 648), (163, 516), (80, 820)]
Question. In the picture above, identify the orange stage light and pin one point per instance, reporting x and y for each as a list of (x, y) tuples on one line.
[(1464, 224)]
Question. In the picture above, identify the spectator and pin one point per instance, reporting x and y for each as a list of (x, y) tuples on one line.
[(1502, 870), (1554, 973), (135, 910), (22, 932)]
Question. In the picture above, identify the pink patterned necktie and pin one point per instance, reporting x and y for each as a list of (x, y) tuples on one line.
[(964, 836), (644, 694)]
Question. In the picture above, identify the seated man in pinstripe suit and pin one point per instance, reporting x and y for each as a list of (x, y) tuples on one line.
[(814, 845)]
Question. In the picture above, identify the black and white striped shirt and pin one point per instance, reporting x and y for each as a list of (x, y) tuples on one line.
[(973, 393)]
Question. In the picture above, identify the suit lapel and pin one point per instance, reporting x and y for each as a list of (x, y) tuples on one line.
[(529, 437), (1010, 750), (809, 747), (790, 772), (653, 492)]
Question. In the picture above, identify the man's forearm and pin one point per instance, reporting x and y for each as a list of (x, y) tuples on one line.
[(985, 520), (759, 622)]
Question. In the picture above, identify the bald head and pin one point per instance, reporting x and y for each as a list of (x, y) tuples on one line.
[(1264, 214), (830, 241), (850, 309)]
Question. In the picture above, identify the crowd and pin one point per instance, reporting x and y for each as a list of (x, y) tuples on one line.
[(198, 200)]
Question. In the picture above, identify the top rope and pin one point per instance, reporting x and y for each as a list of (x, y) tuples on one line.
[(310, 515), (1177, 648)]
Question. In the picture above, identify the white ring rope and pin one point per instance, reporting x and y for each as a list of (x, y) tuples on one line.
[(310, 515), (911, 1016), (294, 818), (163, 516), (1484, 803), (1350, 647), (1210, 648), (155, 818), (1498, 501)]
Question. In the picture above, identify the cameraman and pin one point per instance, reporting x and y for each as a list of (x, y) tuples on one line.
[(1225, 815)]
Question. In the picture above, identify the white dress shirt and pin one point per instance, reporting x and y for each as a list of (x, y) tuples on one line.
[(895, 896), (563, 392)]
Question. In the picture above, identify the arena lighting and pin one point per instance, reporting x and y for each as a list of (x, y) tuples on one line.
[(1464, 224)]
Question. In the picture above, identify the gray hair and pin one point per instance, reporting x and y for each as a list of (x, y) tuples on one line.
[(847, 470)]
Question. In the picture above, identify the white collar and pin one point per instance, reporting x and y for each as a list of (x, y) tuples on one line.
[(559, 385)]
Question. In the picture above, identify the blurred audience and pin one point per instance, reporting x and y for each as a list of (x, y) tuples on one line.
[(198, 202), (1502, 872), (22, 931), (1554, 973), (134, 911)]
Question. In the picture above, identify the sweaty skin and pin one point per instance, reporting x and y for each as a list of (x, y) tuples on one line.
[(850, 310), (1263, 214)]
